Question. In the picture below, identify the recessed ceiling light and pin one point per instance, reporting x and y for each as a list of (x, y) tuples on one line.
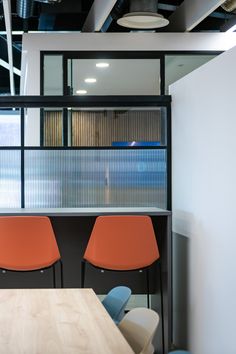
[(90, 80), (102, 65), (81, 92)]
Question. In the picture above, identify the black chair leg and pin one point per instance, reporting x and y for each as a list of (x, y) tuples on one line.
[(148, 291), (82, 273), (62, 278), (54, 275), (162, 308)]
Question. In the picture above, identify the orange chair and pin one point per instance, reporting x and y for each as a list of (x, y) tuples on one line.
[(28, 243), (122, 243)]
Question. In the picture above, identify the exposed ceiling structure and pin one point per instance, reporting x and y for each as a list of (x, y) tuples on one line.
[(21, 16)]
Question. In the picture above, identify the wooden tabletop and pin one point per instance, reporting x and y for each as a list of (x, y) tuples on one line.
[(56, 321)]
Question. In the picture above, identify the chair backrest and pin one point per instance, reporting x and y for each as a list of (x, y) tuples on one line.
[(138, 327), (122, 242), (27, 243), (115, 302)]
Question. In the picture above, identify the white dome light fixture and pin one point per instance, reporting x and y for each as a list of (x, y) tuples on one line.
[(143, 15)]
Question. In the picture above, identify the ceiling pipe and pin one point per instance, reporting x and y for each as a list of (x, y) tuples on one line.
[(143, 15), (49, 1), (143, 5), (24, 8)]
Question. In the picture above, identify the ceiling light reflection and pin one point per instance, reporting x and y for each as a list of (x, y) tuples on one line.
[(81, 92), (90, 80), (102, 65)]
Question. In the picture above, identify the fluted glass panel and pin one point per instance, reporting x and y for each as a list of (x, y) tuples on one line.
[(77, 178), (10, 187), (9, 128)]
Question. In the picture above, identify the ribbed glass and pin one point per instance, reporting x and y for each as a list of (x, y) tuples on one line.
[(9, 128), (77, 178), (10, 186)]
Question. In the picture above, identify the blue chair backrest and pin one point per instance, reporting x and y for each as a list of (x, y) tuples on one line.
[(116, 301)]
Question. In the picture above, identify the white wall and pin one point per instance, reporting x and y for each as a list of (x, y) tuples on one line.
[(204, 198)]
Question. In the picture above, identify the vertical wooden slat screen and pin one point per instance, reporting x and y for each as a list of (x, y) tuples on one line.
[(103, 128), (53, 128)]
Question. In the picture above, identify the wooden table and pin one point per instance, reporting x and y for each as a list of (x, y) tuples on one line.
[(55, 321)]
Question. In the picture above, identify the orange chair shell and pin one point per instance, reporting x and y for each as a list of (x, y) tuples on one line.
[(122, 242), (27, 243)]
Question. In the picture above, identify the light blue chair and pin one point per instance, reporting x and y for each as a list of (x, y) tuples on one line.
[(115, 302)]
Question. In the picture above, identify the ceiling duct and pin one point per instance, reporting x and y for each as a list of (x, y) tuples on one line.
[(24, 8), (143, 15), (49, 1), (229, 5)]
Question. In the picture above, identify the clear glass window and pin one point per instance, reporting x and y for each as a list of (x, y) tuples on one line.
[(53, 75), (114, 76)]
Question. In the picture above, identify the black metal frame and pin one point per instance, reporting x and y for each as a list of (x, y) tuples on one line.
[(42, 269)]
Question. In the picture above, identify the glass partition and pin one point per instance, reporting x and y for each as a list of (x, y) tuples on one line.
[(82, 157), (32, 126), (86, 178), (10, 127), (91, 73), (112, 127), (101, 127), (53, 75), (10, 158), (52, 127), (113, 76), (10, 178)]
